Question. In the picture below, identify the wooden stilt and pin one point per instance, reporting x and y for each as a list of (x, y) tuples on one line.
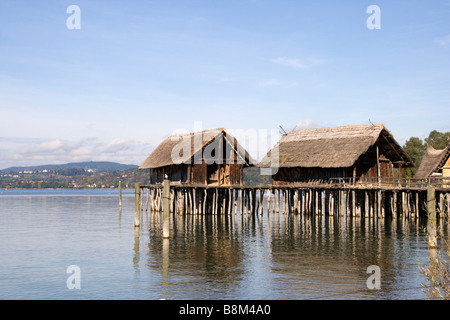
[(230, 198), (261, 198), (137, 196), (431, 224), (277, 199), (353, 203), (205, 200), (166, 208), (120, 193), (241, 209)]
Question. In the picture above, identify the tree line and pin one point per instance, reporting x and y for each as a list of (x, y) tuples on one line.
[(416, 147), (72, 179)]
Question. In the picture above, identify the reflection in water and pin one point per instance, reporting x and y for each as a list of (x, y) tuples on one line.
[(165, 267), (136, 248), (280, 256)]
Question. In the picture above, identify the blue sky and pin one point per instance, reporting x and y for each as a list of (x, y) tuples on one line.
[(136, 71)]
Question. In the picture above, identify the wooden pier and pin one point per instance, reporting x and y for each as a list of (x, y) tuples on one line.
[(336, 199)]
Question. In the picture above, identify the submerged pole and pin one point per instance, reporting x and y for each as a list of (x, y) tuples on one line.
[(166, 208)]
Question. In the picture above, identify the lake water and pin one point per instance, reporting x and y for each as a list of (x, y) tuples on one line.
[(43, 232)]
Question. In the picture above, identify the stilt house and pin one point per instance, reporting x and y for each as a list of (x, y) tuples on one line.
[(435, 164), (361, 152), (208, 157)]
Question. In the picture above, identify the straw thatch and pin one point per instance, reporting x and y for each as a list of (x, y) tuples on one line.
[(432, 162), (338, 147), (174, 147)]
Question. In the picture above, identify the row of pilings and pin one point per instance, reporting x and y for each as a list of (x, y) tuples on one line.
[(346, 201)]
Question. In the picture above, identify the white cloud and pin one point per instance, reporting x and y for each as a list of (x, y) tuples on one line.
[(19, 152), (306, 63), (118, 145)]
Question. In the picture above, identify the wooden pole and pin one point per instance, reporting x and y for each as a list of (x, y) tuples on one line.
[(353, 203), (323, 194), (277, 199), (235, 196), (303, 202), (241, 205), (441, 205), (379, 203), (316, 201), (395, 204), (120, 193), (213, 203), (378, 166), (194, 191), (137, 196), (251, 201), (417, 205), (230, 200), (205, 197), (431, 223), (366, 203), (447, 195), (166, 208), (261, 196)]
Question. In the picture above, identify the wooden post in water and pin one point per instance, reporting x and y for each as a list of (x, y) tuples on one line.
[(166, 208), (353, 203), (120, 193), (417, 205), (137, 210), (431, 223), (395, 204), (379, 196), (277, 200)]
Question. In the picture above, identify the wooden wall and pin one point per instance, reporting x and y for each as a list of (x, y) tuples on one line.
[(177, 174), (286, 176), (365, 168), (203, 174)]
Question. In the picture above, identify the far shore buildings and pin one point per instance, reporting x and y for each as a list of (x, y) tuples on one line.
[(358, 152), (208, 157), (435, 164)]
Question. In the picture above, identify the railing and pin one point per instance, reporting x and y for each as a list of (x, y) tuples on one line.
[(438, 182), (365, 182)]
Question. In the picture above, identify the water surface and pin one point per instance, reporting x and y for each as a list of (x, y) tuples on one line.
[(273, 256)]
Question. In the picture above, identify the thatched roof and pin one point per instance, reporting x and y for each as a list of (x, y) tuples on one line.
[(172, 150), (433, 160), (337, 147)]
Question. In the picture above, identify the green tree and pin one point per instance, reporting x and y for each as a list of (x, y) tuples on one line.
[(415, 148), (438, 140)]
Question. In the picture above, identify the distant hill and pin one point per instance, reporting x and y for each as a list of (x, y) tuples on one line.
[(92, 165)]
